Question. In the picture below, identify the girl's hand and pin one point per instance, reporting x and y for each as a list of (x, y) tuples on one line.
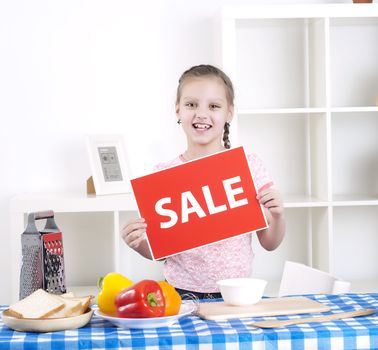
[(272, 201), (133, 233), (271, 237)]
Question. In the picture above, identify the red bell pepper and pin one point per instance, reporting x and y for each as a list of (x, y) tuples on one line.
[(142, 299)]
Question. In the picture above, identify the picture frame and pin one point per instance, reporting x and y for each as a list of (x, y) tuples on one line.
[(109, 165)]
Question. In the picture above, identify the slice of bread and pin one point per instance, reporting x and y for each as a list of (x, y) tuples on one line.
[(39, 304), (42, 305), (73, 306), (85, 302)]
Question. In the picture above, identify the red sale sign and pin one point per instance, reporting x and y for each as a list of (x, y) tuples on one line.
[(198, 202)]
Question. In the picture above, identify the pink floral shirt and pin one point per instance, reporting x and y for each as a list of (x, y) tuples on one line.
[(198, 269)]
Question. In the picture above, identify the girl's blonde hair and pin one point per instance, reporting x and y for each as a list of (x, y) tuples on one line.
[(209, 70)]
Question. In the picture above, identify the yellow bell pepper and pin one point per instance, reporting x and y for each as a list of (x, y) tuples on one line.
[(111, 285)]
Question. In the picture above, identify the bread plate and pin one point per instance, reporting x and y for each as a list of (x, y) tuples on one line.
[(46, 325), (144, 323)]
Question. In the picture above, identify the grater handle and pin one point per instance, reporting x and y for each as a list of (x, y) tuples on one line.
[(43, 214), (46, 214), (50, 222)]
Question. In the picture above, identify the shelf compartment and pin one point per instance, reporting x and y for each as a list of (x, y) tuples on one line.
[(296, 246), (298, 164), (132, 264), (262, 80), (354, 71), (321, 238), (308, 240), (355, 243), (88, 243), (355, 156)]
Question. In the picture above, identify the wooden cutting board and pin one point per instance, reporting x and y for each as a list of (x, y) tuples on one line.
[(265, 307)]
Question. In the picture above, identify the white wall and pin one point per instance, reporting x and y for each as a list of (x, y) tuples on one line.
[(68, 68)]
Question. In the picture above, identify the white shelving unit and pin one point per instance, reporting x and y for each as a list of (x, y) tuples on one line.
[(306, 81)]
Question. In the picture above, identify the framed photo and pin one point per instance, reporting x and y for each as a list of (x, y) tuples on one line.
[(108, 160)]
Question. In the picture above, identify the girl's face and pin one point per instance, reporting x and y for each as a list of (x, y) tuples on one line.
[(203, 110)]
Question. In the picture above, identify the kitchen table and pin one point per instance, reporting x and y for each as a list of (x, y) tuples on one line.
[(191, 332)]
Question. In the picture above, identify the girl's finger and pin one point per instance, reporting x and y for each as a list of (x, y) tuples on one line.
[(135, 243), (130, 236), (132, 227), (272, 204), (267, 199), (137, 240), (134, 221)]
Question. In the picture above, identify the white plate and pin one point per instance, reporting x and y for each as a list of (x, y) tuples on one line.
[(46, 325), (152, 322)]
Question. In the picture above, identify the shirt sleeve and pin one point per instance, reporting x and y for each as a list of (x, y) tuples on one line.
[(157, 167), (164, 165), (260, 175)]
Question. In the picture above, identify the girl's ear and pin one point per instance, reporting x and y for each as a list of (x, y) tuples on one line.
[(177, 114), (178, 111), (230, 114)]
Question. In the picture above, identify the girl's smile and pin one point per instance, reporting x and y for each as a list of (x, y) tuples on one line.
[(200, 126)]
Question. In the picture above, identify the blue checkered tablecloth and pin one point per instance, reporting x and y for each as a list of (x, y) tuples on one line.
[(194, 333)]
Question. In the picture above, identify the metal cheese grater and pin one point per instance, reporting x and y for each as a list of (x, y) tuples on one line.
[(42, 256)]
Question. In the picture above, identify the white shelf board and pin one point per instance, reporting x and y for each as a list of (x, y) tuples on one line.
[(354, 200), (72, 202), (353, 109), (281, 111), (309, 110), (300, 11), (83, 290), (303, 201)]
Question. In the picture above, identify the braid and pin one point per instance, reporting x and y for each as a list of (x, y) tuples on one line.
[(226, 132)]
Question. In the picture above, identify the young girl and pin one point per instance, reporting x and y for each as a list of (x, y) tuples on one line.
[(204, 109)]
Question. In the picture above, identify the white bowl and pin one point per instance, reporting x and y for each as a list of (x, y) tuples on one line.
[(242, 291)]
